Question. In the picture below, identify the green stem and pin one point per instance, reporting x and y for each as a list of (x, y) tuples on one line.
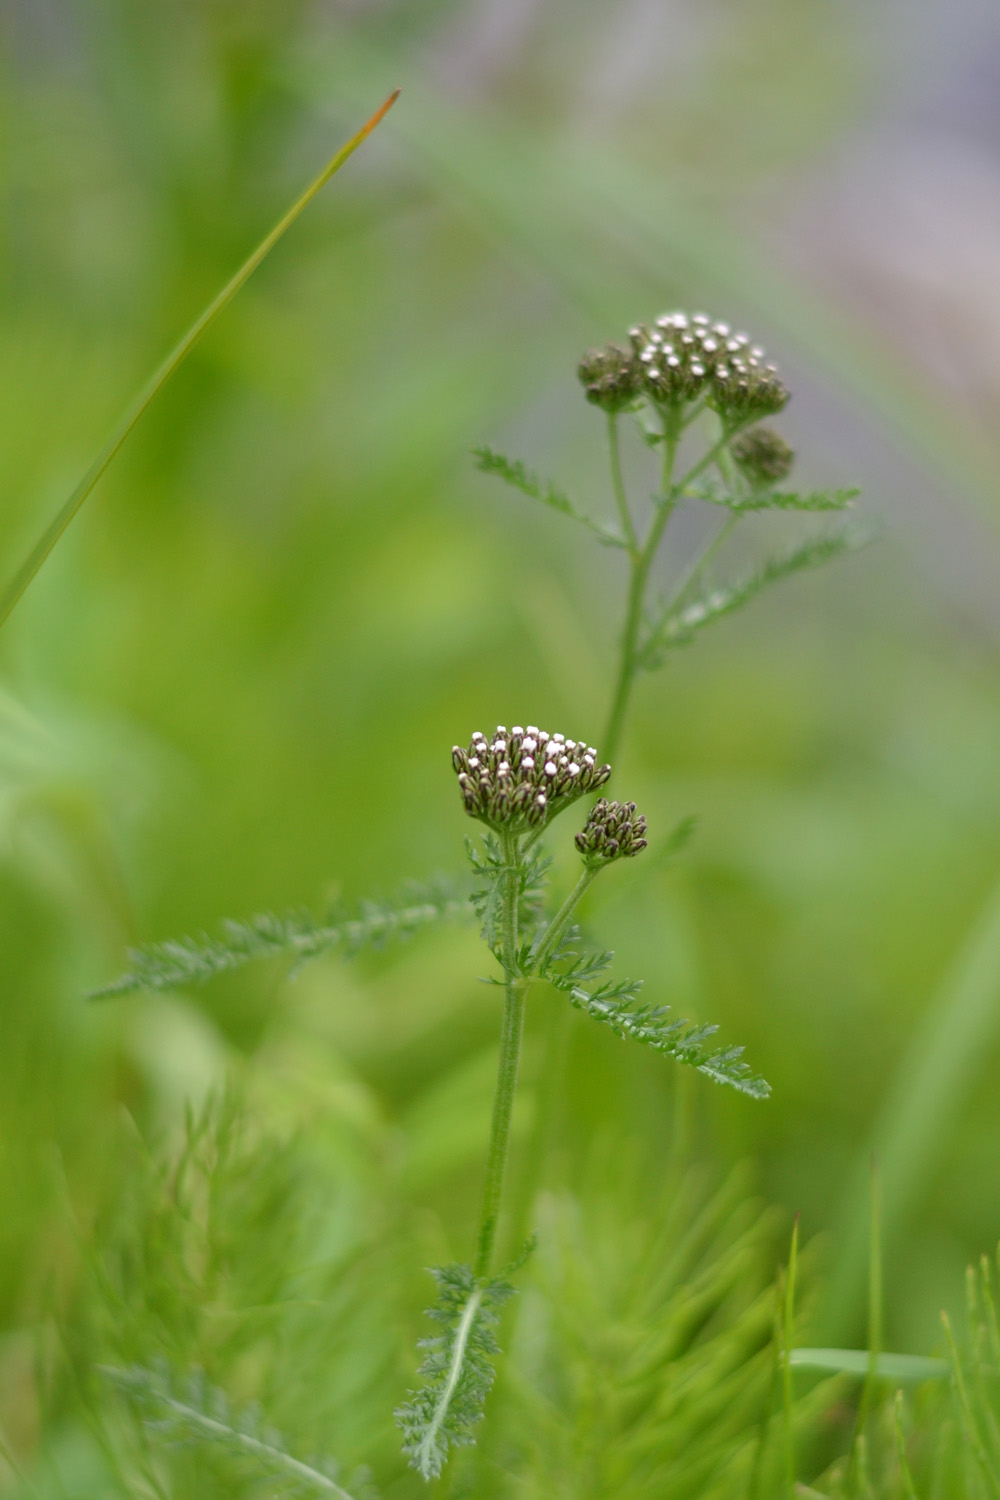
[(618, 485), (717, 448), (557, 926), (510, 1050), (641, 561), (50, 536)]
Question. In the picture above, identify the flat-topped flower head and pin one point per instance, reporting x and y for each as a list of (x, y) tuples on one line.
[(521, 778), (685, 357), (762, 455), (614, 830), (611, 377)]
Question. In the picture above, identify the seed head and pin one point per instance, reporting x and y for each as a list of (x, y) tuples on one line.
[(763, 455), (614, 830), (611, 377), (521, 779)]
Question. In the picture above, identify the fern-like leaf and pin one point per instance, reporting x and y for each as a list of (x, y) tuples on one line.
[(193, 960), (487, 896), (513, 472), (444, 1412), (185, 1409), (810, 500), (615, 1005), (678, 627)]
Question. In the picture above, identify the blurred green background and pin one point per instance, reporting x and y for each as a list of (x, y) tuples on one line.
[(236, 684)]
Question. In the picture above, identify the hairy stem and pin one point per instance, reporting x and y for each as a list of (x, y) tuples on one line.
[(510, 1049)]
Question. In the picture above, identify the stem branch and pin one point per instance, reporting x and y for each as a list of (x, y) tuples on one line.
[(557, 926)]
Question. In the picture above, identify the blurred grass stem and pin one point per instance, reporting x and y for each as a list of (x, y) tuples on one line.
[(25, 574)]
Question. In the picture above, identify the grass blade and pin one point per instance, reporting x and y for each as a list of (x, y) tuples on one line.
[(901, 1367), (924, 1100), (21, 580)]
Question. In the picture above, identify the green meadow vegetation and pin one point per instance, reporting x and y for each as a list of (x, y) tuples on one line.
[(444, 455)]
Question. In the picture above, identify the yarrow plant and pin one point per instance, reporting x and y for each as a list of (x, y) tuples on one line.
[(697, 392)]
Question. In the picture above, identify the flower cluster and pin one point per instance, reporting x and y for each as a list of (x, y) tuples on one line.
[(614, 830), (682, 358), (522, 778)]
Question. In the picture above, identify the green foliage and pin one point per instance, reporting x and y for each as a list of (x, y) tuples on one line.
[(185, 1410), (513, 472), (614, 1005), (898, 1367), (489, 867), (193, 960), (811, 501), (678, 626), (444, 1412), (641, 1349)]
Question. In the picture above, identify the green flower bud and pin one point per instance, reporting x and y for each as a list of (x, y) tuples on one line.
[(763, 456), (610, 377), (523, 778), (614, 830)]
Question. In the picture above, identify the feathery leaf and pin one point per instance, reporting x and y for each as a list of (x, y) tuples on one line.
[(193, 960), (443, 1413), (488, 865), (615, 1006), (810, 500), (678, 627), (513, 472), (188, 1410)]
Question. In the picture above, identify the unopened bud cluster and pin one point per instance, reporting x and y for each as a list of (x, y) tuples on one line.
[(611, 377), (762, 455), (682, 358), (614, 830), (523, 777)]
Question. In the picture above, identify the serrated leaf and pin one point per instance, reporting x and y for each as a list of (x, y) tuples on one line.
[(443, 1413), (580, 968), (513, 472), (487, 897), (615, 1006), (811, 500), (678, 627), (180, 962)]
